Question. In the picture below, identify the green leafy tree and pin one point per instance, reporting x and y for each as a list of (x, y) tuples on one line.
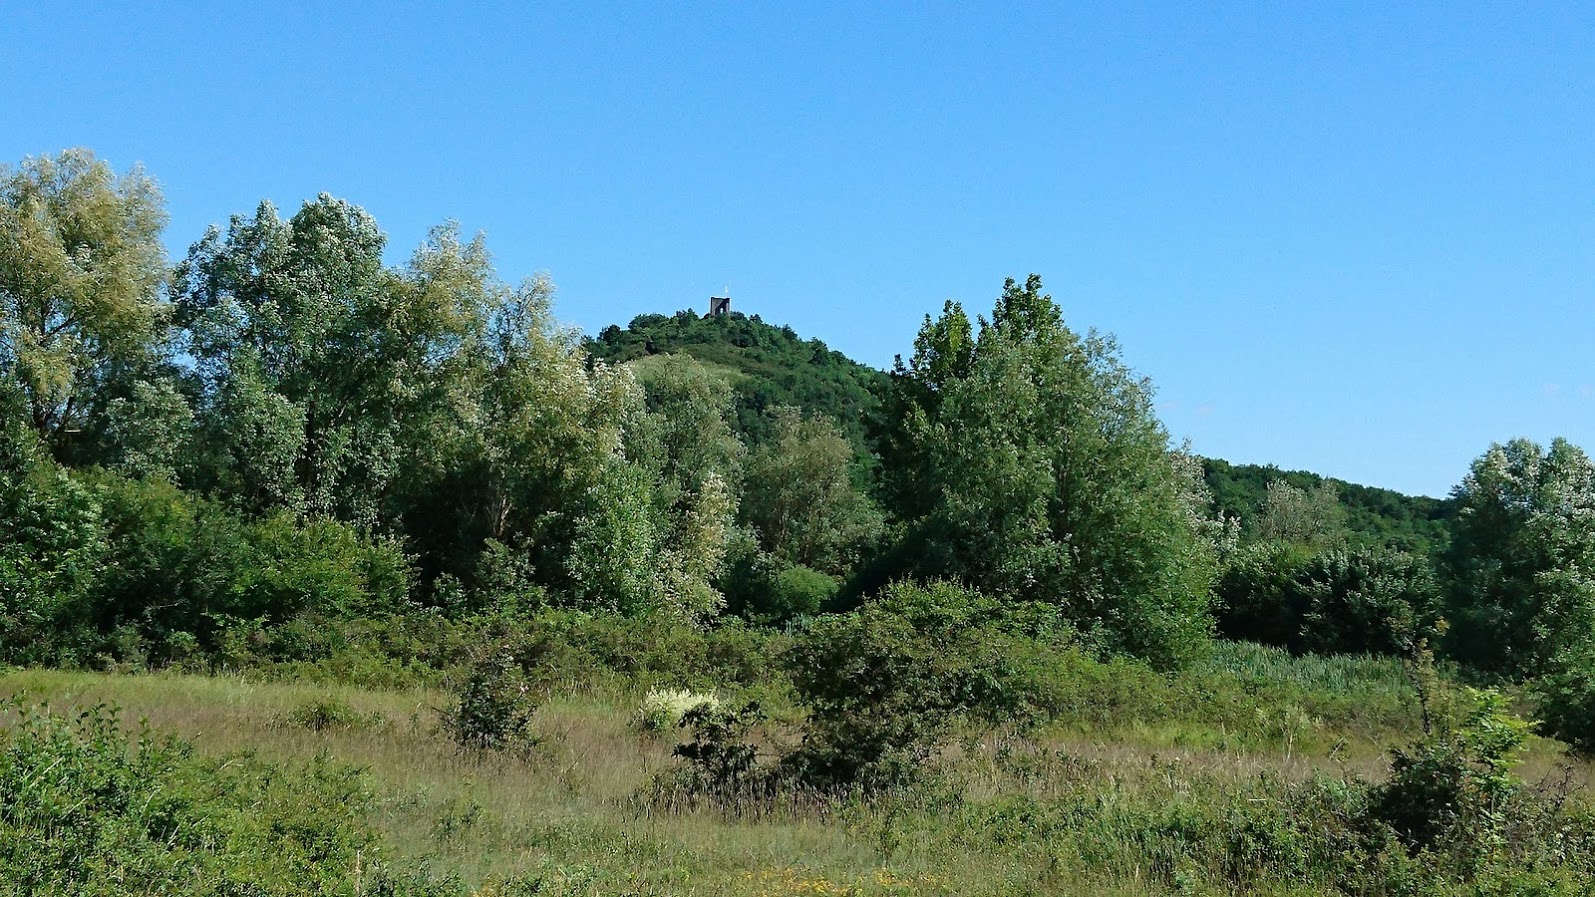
[(800, 498), (528, 453), (51, 548), (688, 434), (689, 454), (316, 363), (81, 267), (1522, 559), (1311, 517), (1033, 467)]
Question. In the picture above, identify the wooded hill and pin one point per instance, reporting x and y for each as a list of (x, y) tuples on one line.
[(769, 366)]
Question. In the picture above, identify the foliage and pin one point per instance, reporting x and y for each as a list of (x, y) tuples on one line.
[(493, 704), (179, 565), (883, 683), (1029, 463), (329, 714), (1521, 592), (1453, 785), (1565, 699), (80, 268), (1332, 601), (722, 763), (571, 646), (85, 813), (52, 546), (800, 498), (797, 592), (1313, 518)]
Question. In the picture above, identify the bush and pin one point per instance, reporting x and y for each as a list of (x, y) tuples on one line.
[(83, 812), (1566, 700), (493, 705), (562, 646), (882, 684), (1450, 789), (179, 566), (1330, 602), (722, 761)]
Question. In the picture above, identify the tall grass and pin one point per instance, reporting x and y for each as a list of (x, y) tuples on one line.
[(1186, 787)]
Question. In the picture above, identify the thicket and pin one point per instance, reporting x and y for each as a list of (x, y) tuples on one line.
[(83, 811)]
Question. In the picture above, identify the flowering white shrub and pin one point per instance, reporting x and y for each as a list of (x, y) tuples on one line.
[(663, 708)]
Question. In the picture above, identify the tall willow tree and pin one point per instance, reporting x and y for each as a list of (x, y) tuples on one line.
[(315, 362), (81, 321), (1029, 464)]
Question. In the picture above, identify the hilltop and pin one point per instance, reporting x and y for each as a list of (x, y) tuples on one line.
[(768, 366)]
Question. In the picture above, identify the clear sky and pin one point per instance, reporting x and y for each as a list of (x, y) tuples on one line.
[(1356, 239)]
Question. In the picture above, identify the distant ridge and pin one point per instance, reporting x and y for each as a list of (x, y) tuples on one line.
[(770, 366)]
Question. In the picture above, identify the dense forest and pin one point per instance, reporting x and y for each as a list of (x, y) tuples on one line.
[(281, 457)]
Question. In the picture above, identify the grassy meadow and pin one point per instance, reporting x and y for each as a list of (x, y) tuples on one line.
[(1200, 783)]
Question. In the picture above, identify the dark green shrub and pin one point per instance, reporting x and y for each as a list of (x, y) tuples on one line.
[(1336, 601), (181, 567), (173, 562), (1368, 601), (762, 590), (1257, 594), (799, 592), (882, 684), (722, 763), (324, 567), (1450, 789), (493, 705)]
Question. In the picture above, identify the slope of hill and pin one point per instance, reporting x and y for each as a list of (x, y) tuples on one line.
[(772, 365), (1374, 516)]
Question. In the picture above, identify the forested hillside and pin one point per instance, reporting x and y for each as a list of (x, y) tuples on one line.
[(699, 575), (1372, 516), (768, 366)]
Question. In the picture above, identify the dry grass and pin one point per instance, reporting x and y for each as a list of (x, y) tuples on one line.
[(569, 812)]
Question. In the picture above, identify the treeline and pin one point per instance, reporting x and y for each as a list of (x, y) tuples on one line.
[(228, 456)]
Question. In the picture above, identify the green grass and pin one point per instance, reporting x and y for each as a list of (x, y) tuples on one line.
[(1130, 805)]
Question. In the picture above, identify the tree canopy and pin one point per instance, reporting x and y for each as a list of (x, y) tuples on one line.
[(1053, 478)]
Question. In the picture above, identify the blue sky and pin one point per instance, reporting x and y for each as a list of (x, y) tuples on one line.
[(1356, 239)]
